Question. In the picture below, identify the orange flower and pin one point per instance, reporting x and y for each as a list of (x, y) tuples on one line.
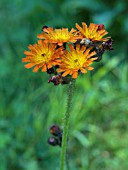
[(94, 32), (77, 60), (59, 36), (42, 55)]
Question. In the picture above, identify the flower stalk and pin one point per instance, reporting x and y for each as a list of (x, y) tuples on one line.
[(66, 123)]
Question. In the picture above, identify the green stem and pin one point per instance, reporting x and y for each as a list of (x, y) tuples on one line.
[(66, 124)]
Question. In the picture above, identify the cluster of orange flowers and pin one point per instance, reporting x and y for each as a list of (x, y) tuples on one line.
[(65, 54)]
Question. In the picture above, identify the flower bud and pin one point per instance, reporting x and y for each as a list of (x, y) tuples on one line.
[(56, 80), (56, 131), (50, 70), (100, 27), (108, 45), (53, 141)]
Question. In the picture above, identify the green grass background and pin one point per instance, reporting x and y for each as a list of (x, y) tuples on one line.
[(29, 105)]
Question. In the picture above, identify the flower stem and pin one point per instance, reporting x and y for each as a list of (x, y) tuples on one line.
[(66, 124)]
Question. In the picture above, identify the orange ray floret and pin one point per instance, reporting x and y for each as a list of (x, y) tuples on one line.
[(92, 32), (59, 36), (42, 55), (76, 60)]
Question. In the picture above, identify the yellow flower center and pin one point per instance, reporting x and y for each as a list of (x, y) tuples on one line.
[(90, 34), (75, 60), (42, 58), (59, 35)]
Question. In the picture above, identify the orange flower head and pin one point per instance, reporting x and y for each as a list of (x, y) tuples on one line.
[(59, 36), (76, 60), (42, 55), (95, 32)]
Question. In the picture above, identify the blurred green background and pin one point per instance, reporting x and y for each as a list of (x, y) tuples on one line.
[(29, 105)]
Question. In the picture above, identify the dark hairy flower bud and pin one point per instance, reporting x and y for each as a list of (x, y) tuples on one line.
[(108, 45), (55, 130), (100, 27), (53, 141), (50, 70), (56, 80)]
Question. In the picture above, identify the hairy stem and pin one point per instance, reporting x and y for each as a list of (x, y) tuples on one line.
[(66, 124)]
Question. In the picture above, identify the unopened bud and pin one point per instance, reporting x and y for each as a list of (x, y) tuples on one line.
[(56, 80), (50, 70), (56, 131), (108, 45), (53, 141), (100, 27)]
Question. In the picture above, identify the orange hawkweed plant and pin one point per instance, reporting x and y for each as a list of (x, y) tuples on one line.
[(65, 55)]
